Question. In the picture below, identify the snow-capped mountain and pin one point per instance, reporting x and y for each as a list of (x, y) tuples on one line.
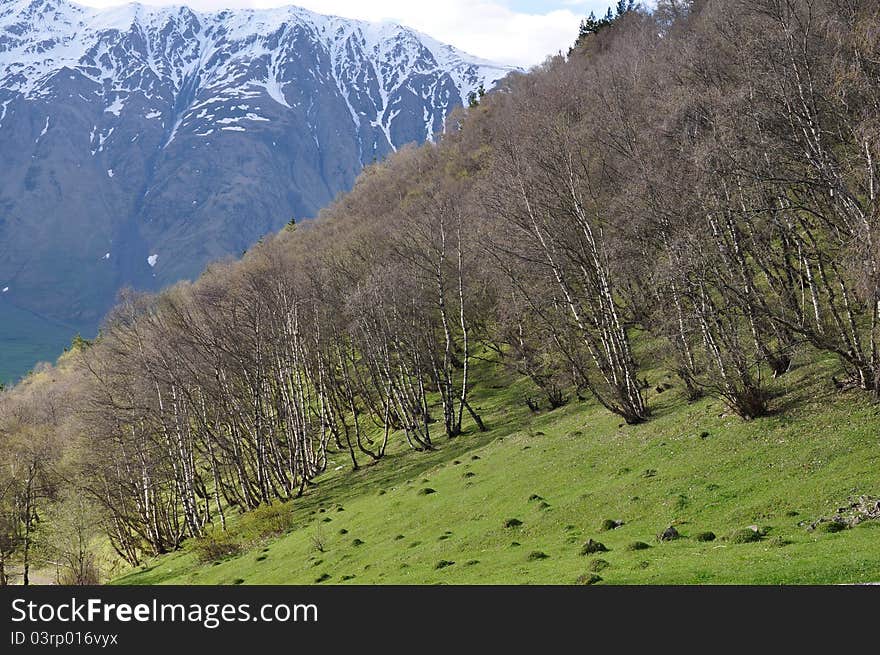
[(138, 143)]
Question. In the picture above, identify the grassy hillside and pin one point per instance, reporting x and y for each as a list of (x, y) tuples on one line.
[(562, 473)]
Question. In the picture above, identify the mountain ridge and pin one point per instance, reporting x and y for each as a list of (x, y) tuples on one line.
[(143, 142)]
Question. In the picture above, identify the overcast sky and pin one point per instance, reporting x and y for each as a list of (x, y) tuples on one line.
[(517, 32)]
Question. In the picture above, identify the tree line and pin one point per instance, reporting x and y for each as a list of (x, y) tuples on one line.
[(692, 187)]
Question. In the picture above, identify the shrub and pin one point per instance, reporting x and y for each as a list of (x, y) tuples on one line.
[(598, 564), (536, 555), (832, 526), (318, 540), (637, 545), (512, 523), (215, 547), (588, 579), (705, 536), (86, 573), (744, 536), (267, 521)]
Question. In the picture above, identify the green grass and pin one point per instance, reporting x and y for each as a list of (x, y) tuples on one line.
[(586, 467), (26, 339)]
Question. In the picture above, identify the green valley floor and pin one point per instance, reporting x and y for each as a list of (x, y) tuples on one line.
[(26, 339)]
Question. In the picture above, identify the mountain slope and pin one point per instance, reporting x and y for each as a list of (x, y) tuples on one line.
[(140, 143)]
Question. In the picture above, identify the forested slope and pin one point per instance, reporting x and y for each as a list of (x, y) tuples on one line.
[(669, 231)]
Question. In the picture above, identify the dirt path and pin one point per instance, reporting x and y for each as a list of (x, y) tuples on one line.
[(40, 577)]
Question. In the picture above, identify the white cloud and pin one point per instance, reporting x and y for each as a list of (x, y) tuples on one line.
[(486, 28)]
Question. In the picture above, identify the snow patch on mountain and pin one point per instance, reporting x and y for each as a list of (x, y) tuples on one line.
[(115, 107)]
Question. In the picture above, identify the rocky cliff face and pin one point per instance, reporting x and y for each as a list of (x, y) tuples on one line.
[(139, 143)]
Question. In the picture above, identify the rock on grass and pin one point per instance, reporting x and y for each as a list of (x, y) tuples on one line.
[(427, 491), (592, 546), (536, 555), (669, 534), (512, 523), (442, 564), (589, 579), (705, 536), (598, 564)]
